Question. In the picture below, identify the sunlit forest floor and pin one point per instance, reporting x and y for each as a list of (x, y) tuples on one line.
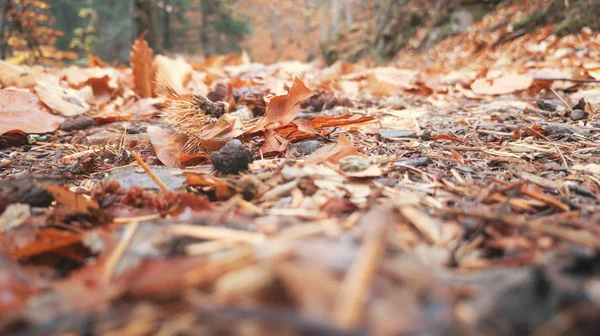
[(453, 190)]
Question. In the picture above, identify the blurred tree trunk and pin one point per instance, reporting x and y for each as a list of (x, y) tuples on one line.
[(143, 16), (335, 14), (204, 4), (4, 8), (167, 24)]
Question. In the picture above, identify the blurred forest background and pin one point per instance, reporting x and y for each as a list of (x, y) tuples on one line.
[(34, 31)]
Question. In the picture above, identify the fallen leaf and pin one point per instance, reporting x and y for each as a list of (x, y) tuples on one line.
[(62, 100), (217, 134), (22, 111), (72, 201), (144, 108), (333, 152), (43, 241), (101, 79), (176, 72), (167, 144), (223, 189), (282, 109), (274, 143), (18, 76), (503, 85), (143, 72), (387, 81)]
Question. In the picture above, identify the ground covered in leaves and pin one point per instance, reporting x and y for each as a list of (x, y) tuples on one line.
[(235, 198)]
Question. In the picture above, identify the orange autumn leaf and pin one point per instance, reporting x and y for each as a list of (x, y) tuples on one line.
[(45, 241), (72, 201), (143, 72), (223, 189), (508, 83), (274, 143), (282, 109), (333, 152), (23, 111)]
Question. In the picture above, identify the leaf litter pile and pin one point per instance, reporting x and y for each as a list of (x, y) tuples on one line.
[(456, 196)]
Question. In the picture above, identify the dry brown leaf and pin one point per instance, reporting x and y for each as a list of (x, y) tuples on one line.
[(79, 77), (274, 143), (167, 144), (72, 201), (505, 84), (44, 241), (333, 152), (282, 109), (143, 72), (176, 72), (388, 81), (65, 101), (215, 135), (17, 76), (223, 189), (144, 108), (22, 111)]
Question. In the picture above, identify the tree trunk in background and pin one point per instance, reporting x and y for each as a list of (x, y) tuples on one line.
[(204, 28), (143, 16), (335, 14), (348, 12), (4, 7), (167, 25)]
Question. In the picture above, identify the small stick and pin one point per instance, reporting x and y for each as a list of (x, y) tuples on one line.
[(563, 79), (562, 157), (351, 299), (215, 233), (127, 220), (149, 171), (561, 99), (77, 155), (544, 198), (118, 252)]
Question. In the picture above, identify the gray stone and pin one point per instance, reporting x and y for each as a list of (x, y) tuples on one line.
[(135, 176), (396, 133), (578, 115)]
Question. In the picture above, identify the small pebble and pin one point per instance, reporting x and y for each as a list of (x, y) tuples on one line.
[(232, 158), (418, 162), (578, 115), (547, 105), (565, 129), (390, 134), (304, 147), (79, 122)]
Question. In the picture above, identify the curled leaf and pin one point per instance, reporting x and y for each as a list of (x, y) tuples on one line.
[(282, 109)]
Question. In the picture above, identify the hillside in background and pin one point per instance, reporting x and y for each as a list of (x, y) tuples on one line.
[(372, 32)]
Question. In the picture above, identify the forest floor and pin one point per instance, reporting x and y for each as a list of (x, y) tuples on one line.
[(458, 194)]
